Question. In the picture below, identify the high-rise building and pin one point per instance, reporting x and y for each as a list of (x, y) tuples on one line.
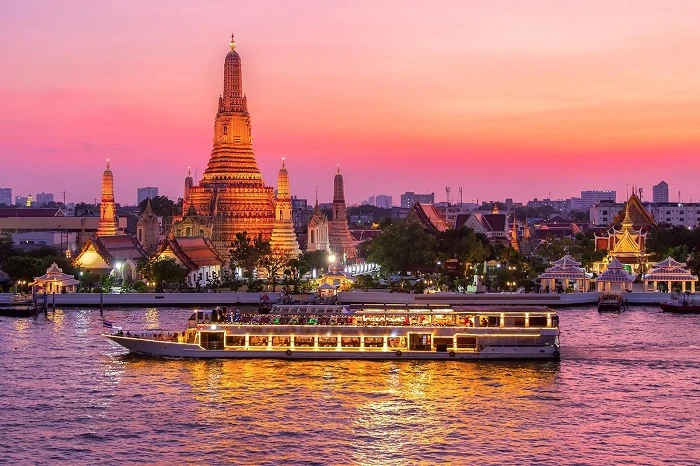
[(22, 201), (6, 196), (409, 198), (43, 198), (232, 196), (108, 225), (384, 201), (370, 201), (588, 198), (147, 192), (660, 192)]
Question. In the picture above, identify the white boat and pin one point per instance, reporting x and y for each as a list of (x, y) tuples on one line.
[(358, 332)]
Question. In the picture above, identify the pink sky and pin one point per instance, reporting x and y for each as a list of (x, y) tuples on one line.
[(506, 99)]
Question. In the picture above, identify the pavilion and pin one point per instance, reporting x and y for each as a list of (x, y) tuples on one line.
[(565, 270), (55, 281), (615, 274), (670, 271)]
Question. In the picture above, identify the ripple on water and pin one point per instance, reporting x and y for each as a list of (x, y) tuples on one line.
[(625, 392)]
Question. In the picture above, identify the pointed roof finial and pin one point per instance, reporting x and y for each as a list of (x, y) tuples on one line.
[(282, 162), (189, 171), (338, 169), (107, 164), (232, 44)]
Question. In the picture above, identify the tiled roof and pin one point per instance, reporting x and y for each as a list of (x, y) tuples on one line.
[(193, 251), (31, 212)]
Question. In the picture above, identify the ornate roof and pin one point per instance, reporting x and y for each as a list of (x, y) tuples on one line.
[(55, 274), (639, 216), (615, 273), (193, 252), (670, 270), (565, 268), (428, 215)]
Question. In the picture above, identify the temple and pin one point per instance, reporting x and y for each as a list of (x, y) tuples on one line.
[(284, 241), (626, 244), (317, 231), (339, 237), (108, 225), (231, 197), (148, 229)]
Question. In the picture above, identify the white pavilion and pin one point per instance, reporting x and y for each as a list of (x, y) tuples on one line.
[(55, 281), (615, 278), (565, 270), (670, 271)]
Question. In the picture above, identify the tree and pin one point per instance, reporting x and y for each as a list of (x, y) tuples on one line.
[(404, 246), (164, 270), (248, 253), (7, 248), (274, 261), (162, 206), (463, 244), (22, 268)]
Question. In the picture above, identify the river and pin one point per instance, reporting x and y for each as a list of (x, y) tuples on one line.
[(626, 391)]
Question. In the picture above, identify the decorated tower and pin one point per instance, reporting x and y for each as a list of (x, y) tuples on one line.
[(189, 182), (232, 193), (317, 231), (108, 214), (339, 236), (284, 241)]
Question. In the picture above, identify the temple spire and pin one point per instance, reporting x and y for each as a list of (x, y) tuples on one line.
[(233, 43)]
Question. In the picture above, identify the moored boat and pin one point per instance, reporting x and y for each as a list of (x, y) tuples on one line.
[(610, 302), (681, 307), (18, 306), (358, 332)]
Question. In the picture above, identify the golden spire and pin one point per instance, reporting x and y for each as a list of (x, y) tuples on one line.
[(107, 164), (282, 162), (627, 222), (232, 44)]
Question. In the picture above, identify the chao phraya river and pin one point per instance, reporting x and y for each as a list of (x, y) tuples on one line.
[(627, 391)]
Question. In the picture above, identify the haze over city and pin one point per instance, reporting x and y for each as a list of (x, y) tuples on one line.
[(506, 99)]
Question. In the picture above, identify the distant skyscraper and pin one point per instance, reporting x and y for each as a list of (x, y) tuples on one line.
[(383, 201), (6, 196), (588, 198), (409, 198), (660, 192), (371, 200), (21, 200), (43, 198), (147, 192)]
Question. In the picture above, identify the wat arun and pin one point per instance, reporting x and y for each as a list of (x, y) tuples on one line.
[(231, 197)]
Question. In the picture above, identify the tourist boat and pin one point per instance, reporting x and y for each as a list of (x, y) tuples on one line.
[(357, 332), (610, 302), (686, 305)]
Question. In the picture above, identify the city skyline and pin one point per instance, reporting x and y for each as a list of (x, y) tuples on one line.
[(502, 99)]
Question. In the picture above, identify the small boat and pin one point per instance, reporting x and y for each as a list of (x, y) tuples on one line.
[(610, 302), (377, 332), (686, 305), (18, 306)]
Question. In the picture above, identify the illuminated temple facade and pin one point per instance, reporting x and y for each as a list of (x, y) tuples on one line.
[(108, 224), (339, 236), (284, 241), (231, 197)]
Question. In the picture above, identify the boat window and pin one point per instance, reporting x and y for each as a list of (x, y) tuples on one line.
[(515, 321), (374, 342), (555, 321), (257, 341), (489, 321), (304, 341), (538, 321), (443, 320), (465, 320), (281, 341), (442, 343), (212, 340), (235, 340), (396, 342), (350, 342), (466, 342), (328, 342)]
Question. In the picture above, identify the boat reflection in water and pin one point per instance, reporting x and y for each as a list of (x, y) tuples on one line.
[(375, 332)]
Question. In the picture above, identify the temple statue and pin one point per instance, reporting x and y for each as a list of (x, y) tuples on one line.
[(148, 229), (284, 241), (108, 225), (339, 236), (626, 244), (317, 231), (232, 193)]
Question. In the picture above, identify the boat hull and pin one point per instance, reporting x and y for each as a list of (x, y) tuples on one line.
[(18, 311), (168, 349), (612, 307), (680, 308)]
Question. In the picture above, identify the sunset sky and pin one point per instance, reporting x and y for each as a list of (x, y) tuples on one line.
[(516, 99)]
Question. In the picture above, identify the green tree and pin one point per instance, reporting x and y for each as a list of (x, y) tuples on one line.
[(162, 206), (248, 253), (404, 246), (164, 270), (7, 248), (22, 268)]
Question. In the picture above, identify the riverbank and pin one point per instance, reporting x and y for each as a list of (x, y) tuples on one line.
[(230, 298)]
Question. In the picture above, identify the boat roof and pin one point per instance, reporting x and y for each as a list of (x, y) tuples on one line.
[(403, 309)]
